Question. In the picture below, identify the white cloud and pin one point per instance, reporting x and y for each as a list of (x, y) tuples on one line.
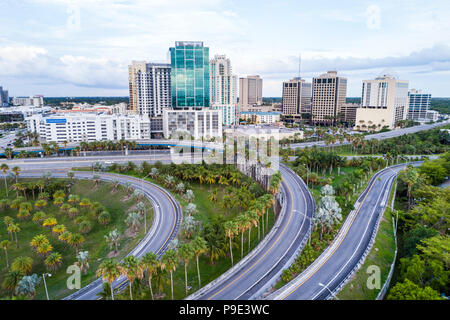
[(36, 63)]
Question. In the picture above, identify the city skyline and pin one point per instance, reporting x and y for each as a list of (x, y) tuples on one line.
[(86, 47)]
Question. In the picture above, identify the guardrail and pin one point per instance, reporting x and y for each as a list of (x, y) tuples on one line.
[(254, 252), (269, 284), (147, 237), (339, 237)]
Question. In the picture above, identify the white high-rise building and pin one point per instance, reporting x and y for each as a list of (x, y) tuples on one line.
[(77, 127), (203, 123), (149, 85), (223, 88), (384, 102), (419, 104)]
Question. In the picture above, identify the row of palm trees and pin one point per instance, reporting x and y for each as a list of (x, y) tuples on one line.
[(149, 265)]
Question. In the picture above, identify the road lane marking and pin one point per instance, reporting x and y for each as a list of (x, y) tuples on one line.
[(334, 250)]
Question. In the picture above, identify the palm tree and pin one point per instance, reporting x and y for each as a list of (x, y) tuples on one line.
[(190, 209), (14, 228), (253, 222), (213, 195), (411, 177), (12, 279), (113, 239), (243, 223), (199, 247), (9, 153), (83, 261), (134, 221), (22, 264), (149, 263), (27, 285), (96, 179), (53, 261), (75, 241), (5, 244), (132, 269), (4, 167), (186, 253), (109, 270), (169, 261), (231, 230), (16, 171)]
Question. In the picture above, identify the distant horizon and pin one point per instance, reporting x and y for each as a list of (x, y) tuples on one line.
[(64, 48)]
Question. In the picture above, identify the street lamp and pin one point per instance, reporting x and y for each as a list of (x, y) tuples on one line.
[(332, 294), (45, 284)]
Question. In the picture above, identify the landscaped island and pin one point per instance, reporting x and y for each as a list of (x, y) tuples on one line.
[(46, 225)]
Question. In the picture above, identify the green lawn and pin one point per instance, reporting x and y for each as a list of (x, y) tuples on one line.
[(95, 242), (207, 210)]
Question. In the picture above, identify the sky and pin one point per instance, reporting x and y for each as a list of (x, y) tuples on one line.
[(84, 47)]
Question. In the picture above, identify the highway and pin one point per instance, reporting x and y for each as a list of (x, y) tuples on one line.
[(165, 225), (260, 270), (256, 272), (329, 273), (378, 136)]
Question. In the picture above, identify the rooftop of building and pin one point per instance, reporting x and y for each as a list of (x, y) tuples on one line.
[(262, 113)]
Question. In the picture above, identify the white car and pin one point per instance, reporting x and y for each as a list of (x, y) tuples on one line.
[(109, 162)]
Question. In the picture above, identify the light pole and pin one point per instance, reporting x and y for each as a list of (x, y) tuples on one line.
[(45, 284), (332, 294)]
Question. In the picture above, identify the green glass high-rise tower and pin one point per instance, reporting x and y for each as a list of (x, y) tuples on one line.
[(189, 74)]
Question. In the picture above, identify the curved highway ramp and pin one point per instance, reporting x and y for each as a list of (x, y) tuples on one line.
[(328, 274), (262, 267)]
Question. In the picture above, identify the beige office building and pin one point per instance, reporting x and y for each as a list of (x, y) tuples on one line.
[(329, 92), (250, 91), (296, 97), (348, 112), (384, 102)]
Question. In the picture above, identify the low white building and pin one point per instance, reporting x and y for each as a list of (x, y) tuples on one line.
[(26, 111), (198, 123), (261, 117), (77, 127), (37, 101), (432, 115)]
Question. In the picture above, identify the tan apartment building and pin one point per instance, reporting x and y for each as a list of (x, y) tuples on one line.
[(329, 92), (250, 91), (384, 102), (296, 98)]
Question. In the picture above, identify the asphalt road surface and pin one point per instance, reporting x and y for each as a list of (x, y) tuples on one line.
[(337, 262), (264, 265)]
